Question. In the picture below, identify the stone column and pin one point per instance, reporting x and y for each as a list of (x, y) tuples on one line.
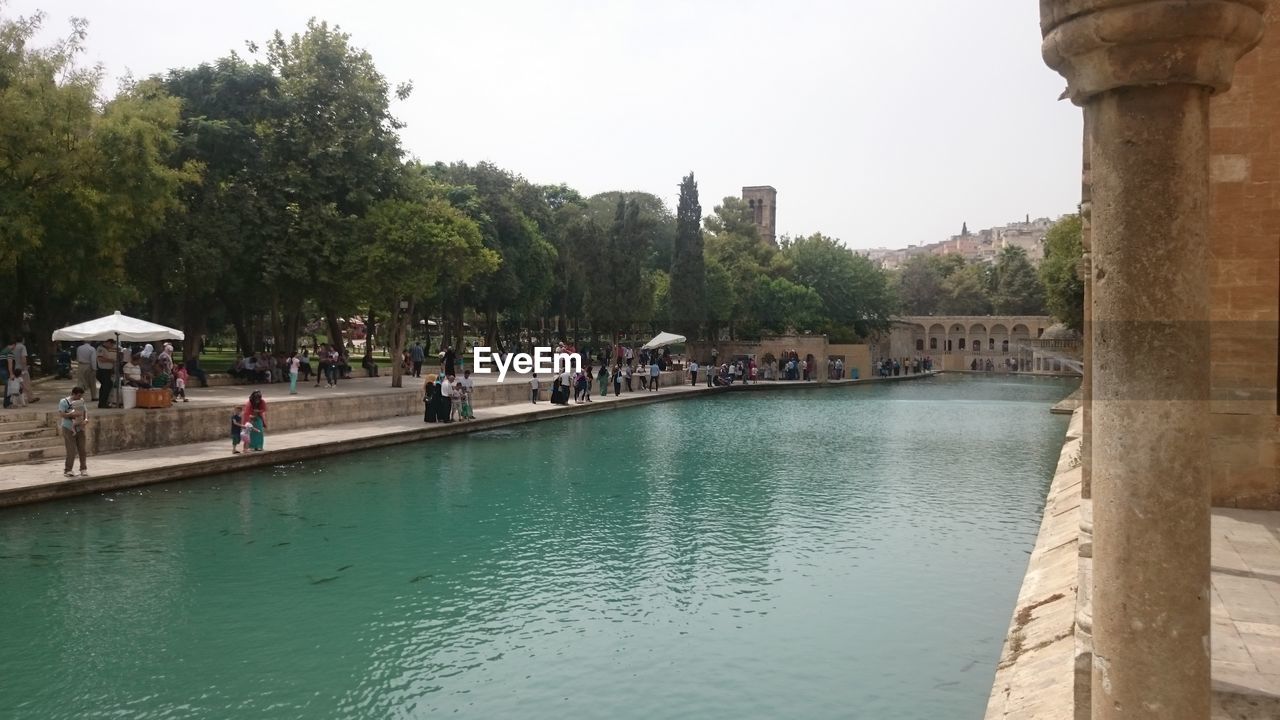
[(1086, 277), (1145, 71)]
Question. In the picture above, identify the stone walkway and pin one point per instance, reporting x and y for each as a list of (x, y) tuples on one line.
[(1036, 675), (44, 480)]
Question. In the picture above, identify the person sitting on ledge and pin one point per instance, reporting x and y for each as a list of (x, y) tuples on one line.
[(133, 375)]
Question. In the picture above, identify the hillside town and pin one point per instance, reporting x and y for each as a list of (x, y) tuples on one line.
[(983, 246)]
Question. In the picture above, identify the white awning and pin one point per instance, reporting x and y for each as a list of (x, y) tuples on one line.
[(118, 327), (662, 339)]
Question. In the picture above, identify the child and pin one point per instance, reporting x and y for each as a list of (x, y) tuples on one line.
[(533, 387), (466, 401), (14, 390), (455, 407), (237, 428), (81, 415), (180, 383)]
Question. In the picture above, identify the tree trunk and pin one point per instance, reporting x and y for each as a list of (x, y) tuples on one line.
[(335, 330), (277, 328), (399, 335)]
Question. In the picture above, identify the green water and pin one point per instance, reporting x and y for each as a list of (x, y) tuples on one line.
[(847, 553)]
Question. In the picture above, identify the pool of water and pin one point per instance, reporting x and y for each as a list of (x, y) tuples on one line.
[(843, 553)]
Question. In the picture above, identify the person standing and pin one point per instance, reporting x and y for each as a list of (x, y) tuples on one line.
[(417, 355), (533, 388), (693, 372), (255, 417), (469, 391), (654, 371), (105, 361), (20, 363), (74, 419), (445, 403), (295, 364), (84, 368), (429, 399), (603, 379), (626, 372), (450, 358), (617, 381)]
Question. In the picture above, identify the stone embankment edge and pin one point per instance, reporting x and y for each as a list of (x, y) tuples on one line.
[(1035, 678), (246, 461)]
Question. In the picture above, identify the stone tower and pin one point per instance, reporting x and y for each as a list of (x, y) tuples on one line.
[(763, 201)]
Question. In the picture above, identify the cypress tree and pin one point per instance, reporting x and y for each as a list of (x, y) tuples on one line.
[(688, 268)]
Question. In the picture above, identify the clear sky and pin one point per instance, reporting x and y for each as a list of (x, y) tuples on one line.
[(880, 123)]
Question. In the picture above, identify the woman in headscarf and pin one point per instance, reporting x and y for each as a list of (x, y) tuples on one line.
[(429, 398), (255, 415), (441, 401)]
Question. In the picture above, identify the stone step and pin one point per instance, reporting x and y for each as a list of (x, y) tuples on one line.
[(13, 457), (12, 416), (7, 435), (13, 427), (31, 443)]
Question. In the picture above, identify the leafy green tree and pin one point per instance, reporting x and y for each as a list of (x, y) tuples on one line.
[(82, 182), (657, 230), (855, 294), (1064, 290), (919, 285), (504, 208), (616, 290), (688, 266), (332, 152), (207, 260), (408, 249), (964, 292), (733, 244), (1017, 288)]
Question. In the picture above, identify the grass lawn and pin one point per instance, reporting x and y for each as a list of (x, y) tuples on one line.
[(219, 361)]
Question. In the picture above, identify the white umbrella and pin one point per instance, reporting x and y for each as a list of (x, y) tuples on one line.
[(661, 339), (118, 327)]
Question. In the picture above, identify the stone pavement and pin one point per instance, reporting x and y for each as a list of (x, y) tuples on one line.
[(1035, 676)]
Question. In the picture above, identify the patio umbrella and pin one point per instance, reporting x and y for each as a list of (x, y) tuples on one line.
[(117, 327), (662, 339)]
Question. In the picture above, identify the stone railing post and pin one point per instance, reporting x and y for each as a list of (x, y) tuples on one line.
[(1144, 71)]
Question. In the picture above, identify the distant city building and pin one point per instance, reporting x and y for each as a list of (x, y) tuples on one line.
[(763, 201), (983, 246)]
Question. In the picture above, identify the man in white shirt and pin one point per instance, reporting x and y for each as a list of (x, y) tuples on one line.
[(84, 369), (693, 372)]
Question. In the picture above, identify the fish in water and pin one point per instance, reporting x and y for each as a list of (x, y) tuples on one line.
[(420, 577), (345, 567), (321, 581), (281, 544)]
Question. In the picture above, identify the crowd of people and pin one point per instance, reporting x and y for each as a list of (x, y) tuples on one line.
[(889, 367)]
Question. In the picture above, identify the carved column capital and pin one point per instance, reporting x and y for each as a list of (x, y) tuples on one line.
[(1101, 45)]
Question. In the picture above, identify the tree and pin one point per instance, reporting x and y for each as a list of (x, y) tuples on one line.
[(333, 151), (733, 244), (1064, 290), (616, 291), (854, 293), (919, 285), (1016, 287), (964, 292), (408, 248), (82, 182), (688, 282)]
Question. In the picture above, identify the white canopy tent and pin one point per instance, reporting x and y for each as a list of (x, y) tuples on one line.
[(662, 339), (119, 328)]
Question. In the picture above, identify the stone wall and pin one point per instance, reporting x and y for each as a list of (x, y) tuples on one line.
[(1245, 283), (190, 423)]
